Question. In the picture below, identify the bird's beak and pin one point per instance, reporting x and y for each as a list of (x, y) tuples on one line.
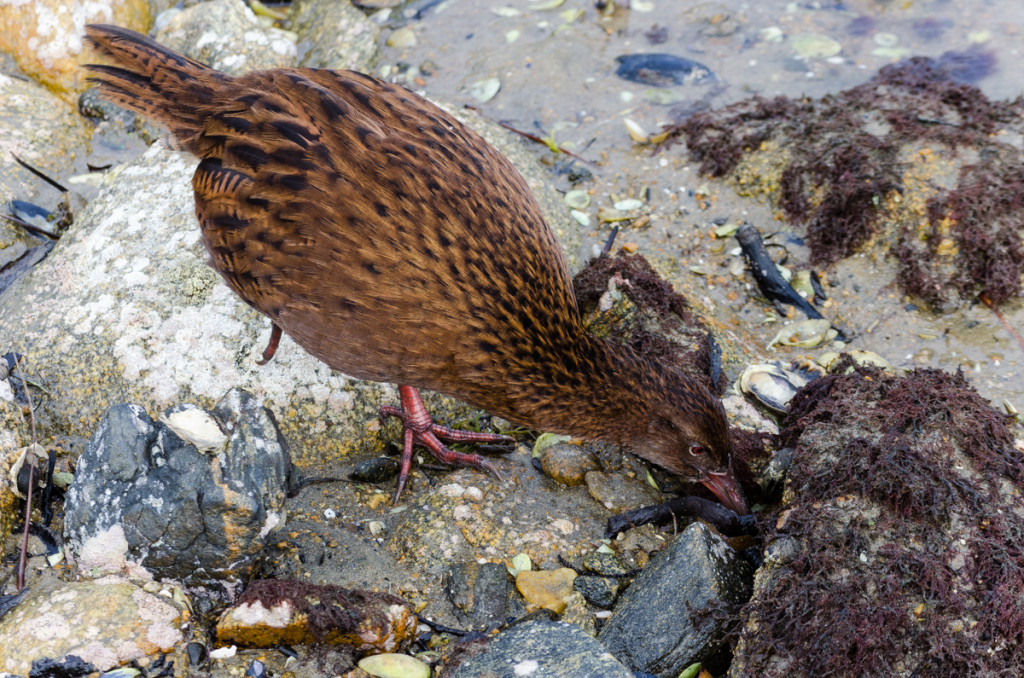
[(727, 490)]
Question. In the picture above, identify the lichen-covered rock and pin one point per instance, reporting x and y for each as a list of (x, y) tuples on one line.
[(105, 622), (225, 34), (45, 36)]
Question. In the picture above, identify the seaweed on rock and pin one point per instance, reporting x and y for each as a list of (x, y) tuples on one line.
[(904, 496), (838, 167)]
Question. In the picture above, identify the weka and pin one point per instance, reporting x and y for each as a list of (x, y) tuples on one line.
[(394, 244)]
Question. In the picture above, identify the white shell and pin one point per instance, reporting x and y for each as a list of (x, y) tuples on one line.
[(195, 426)]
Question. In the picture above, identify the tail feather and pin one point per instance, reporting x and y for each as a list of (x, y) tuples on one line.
[(152, 80)]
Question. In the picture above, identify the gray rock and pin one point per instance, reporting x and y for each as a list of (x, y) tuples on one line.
[(698, 572), (104, 623), (478, 592), (600, 591), (334, 34), (226, 35), (42, 130), (144, 498), (539, 648)]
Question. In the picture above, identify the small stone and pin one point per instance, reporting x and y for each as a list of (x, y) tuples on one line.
[(403, 37), (485, 90), (604, 563), (546, 588), (568, 464), (394, 666), (815, 46), (618, 493), (576, 612), (600, 591)]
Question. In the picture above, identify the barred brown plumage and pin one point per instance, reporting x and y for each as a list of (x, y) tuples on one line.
[(394, 244)]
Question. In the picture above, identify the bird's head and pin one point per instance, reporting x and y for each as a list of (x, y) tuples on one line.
[(687, 433)]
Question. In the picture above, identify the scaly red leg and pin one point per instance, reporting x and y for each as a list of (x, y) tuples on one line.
[(420, 428), (271, 349)]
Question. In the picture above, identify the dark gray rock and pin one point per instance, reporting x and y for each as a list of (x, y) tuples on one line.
[(478, 592), (144, 496), (539, 648), (699, 572), (600, 591)]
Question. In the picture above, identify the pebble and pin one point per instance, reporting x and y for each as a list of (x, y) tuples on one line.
[(618, 493), (600, 591), (568, 464), (815, 46), (546, 588), (403, 37), (485, 90)]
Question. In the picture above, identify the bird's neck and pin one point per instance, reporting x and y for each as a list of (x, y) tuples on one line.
[(600, 391)]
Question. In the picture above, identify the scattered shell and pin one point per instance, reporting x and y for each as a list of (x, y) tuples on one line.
[(581, 218), (19, 464), (636, 132), (547, 4), (801, 282), (577, 199), (815, 46), (546, 440), (662, 70), (725, 230), (391, 665), (123, 672), (772, 34), (512, 36), (259, 9), (806, 334), (196, 426), (773, 384), (628, 205), (224, 652), (859, 356), (520, 563), (886, 39), (485, 90), (376, 527), (403, 37), (506, 12)]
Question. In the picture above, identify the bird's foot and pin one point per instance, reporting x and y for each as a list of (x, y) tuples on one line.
[(271, 349), (420, 429)]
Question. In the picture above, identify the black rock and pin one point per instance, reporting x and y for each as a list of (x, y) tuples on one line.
[(543, 648), (697, 573), (478, 592), (70, 666), (196, 517), (600, 591)]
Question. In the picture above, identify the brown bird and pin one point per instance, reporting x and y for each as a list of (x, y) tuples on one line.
[(394, 244)]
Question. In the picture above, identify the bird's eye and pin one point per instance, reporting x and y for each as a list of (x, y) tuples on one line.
[(698, 450)]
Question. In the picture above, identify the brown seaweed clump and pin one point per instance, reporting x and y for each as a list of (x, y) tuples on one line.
[(844, 167), (900, 548), (624, 299)]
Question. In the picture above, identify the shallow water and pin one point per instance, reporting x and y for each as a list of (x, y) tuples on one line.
[(558, 77)]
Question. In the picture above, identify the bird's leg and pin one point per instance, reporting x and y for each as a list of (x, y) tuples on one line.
[(420, 428), (271, 349)]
